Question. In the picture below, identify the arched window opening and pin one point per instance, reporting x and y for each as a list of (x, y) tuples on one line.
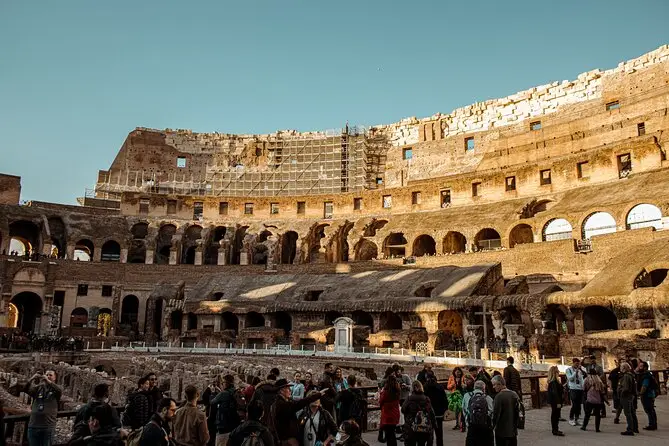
[(650, 279), (254, 320), (424, 245), (521, 233), (229, 321), (139, 231), (363, 318), (316, 251), (164, 244), (395, 245), (644, 216), (58, 237), (175, 320), (598, 318), (238, 245), (24, 238), (83, 250), (79, 317), (487, 239), (557, 229), (366, 250), (332, 316), (28, 311), (130, 311), (599, 223), (454, 243), (189, 242), (288, 247), (390, 321), (192, 321), (111, 251), (214, 245), (283, 321)]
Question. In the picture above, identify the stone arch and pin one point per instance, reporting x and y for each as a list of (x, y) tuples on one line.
[(556, 318), (644, 215), (522, 233), (556, 229), (317, 252), (29, 309), (83, 250), (254, 320), (598, 223), (24, 235), (598, 318), (363, 318), (230, 321), (366, 250), (79, 317), (487, 238), (650, 279), (454, 243), (191, 237), (110, 251), (394, 245), (176, 318), (58, 233), (31, 275), (153, 320), (424, 245), (137, 250), (192, 321), (332, 316), (389, 320), (164, 244), (339, 245), (289, 247), (213, 246), (238, 245), (130, 311), (283, 321), (373, 226), (260, 249)]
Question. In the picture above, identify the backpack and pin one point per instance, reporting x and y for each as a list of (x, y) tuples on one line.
[(253, 439), (356, 409), (135, 437), (478, 411), (421, 421), (519, 414)]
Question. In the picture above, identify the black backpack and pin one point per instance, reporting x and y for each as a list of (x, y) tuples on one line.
[(357, 406), (478, 411)]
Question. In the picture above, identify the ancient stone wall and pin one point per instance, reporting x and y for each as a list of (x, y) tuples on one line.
[(10, 189)]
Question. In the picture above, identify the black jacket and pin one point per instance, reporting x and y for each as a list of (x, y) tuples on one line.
[(283, 415), (138, 409), (155, 432), (242, 431), (227, 418), (555, 392), (346, 398), (265, 392), (104, 437), (326, 424), (437, 395), (413, 404), (81, 428), (512, 378)]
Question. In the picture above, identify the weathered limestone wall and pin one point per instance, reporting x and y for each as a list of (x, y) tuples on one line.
[(10, 189)]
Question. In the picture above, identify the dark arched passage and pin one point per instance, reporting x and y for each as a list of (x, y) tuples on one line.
[(487, 238), (363, 318), (111, 251), (254, 320), (79, 317), (288, 247), (424, 245), (521, 233), (598, 318), (454, 243), (390, 321), (229, 321), (283, 321), (129, 311), (29, 307), (395, 245), (175, 320), (366, 250)]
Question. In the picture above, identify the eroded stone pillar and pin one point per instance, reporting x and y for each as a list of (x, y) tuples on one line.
[(198, 255), (173, 255), (124, 255)]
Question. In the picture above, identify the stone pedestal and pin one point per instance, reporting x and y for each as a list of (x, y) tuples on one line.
[(198, 256), (124, 255), (243, 258), (173, 256), (222, 256), (343, 334), (149, 257)]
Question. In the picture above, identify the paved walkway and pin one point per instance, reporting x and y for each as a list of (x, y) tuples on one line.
[(538, 432)]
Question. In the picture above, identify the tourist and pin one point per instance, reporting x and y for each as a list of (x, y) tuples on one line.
[(228, 414), (353, 434), (555, 394), (340, 382), (505, 413), (389, 401), (265, 392), (275, 371), (477, 409), (297, 391), (45, 394), (157, 431), (468, 388), (154, 391), (212, 411), (419, 419), (138, 406), (251, 388), (352, 403), (101, 430), (575, 378), (327, 382), (283, 413), (512, 377), (190, 423), (592, 364), (100, 397), (251, 428), (423, 374), (317, 427), (308, 382), (482, 375), (614, 377), (595, 397), (437, 395), (627, 393), (456, 390), (648, 393)]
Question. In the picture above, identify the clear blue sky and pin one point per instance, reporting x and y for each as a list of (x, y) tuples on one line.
[(77, 76)]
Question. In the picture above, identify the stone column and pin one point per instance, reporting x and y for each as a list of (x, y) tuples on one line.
[(97, 254), (173, 255), (198, 255), (149, 257), (46, 249), (69, 252), (224, 246), (498, 325), (124, 255)]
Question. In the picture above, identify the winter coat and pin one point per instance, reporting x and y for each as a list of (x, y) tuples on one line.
[(326, 424), (627, 386), (283, 416), (415, 403), (390, 409), (266, 392), (227, 417), (138, 409), (437, 395), (555, 392), (512, 378)]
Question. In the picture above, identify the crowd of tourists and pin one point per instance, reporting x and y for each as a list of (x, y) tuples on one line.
[(587, 390), (331, 409), (40, 343)]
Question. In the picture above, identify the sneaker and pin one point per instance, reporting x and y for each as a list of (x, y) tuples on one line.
[(572, 423), (562, 420), (583, 428), (636, 431), (627, 433), (650, 428), (558, 434)]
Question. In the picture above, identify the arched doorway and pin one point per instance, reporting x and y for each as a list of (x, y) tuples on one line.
[(137, 250), (288, 247), (83, 250), (254, 320), (599, 223), (366, 250), (598, 318), (316, 249), (79, 317), (394, 245), (557, 229), (363, 318), (211, 250), (644, 216), (424, 245), (129, 312), (454, 243), (283, 321), (486, 239), (192, 321), (189, 244), (229, 321), (390, 321), (111, 251), (29, 309), (104, 321), (175, 320), (521, 233), (164, 244)]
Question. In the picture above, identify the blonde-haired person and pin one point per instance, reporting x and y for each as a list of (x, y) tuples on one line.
[(419, 419), (555, 393), (595, 397)]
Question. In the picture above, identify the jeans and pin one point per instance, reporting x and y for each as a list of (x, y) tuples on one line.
[(414, 439), (630, 413), (576, 397), (40, 436), (506, 441), (591, 409), (555, 417), (389, 431), (648, 404), (480, 437), (439, 431)]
